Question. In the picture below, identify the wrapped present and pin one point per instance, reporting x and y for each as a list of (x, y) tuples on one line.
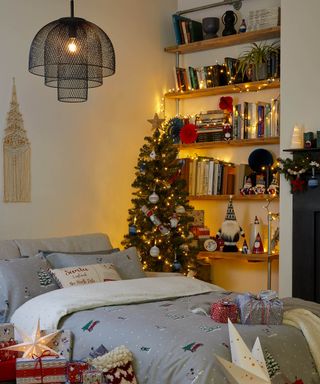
[(5, 354), (6, 332), (198, 217), (116, 366), (265, 308), (62, 343), (41, 370), (92, 377), (75, 371), (8, 370), (223, 310)]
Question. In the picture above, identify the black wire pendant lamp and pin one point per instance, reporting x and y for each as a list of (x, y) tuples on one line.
[(72, 54)]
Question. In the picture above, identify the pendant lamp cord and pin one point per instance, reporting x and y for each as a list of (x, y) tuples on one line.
[(72, 7)]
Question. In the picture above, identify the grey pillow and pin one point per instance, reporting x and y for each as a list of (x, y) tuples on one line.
[(127, 262), (21, 280), (103, 252)]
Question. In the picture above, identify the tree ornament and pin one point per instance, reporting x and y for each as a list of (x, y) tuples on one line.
[(153, 154), (258, 246), (154, 251), (174, 221), (176, 265), (180, 209), (35, 345), (184, 247), (153, 198), (230, 230)]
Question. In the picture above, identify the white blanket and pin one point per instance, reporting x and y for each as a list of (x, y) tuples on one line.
[(309, 324), (52, 306)]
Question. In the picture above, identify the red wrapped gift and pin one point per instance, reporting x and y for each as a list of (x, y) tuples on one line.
[(8, 370), (75, 370), (5, 354), (224, 309)]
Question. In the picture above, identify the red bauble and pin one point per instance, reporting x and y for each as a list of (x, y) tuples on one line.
[(188, 133), (226, 103)]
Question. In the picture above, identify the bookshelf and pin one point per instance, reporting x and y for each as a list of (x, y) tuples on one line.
[(253, 86), (226, 41), (214, 204)]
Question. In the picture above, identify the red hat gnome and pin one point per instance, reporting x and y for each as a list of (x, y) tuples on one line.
[(230, 230)]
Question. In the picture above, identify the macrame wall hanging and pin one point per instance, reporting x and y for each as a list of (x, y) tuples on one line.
[(16, 156)]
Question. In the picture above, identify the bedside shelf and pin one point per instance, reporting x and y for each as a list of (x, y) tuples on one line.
[(252, 86), (232, 143), (226, 41), (238, 256), (234, 197)]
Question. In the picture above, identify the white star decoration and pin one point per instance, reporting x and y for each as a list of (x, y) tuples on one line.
[(34, 345), (156, 122), (246, 367)]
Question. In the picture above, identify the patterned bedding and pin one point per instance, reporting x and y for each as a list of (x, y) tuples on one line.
[(172, 342)]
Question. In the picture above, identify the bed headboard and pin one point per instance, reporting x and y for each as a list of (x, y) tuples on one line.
[(10, 249)]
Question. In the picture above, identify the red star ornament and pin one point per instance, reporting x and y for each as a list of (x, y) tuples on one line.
[(297, 185)]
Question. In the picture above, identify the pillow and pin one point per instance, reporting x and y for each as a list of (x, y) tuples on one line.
[(21, 280), (127, 262), (103, 252), (85, 274)]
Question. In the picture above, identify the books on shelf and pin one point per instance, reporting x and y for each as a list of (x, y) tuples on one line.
[(208, 176), (186, 30), (256, 120)]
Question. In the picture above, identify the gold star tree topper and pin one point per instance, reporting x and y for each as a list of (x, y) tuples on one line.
[(35, 345), (246, 367), (156, 122)]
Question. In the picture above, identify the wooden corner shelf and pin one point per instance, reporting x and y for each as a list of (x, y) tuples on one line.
[(238, 256), (253, 86), (235, 197), (226, 41), (231, 143)]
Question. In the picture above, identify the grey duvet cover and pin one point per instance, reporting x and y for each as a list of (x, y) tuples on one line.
[(173, 345)]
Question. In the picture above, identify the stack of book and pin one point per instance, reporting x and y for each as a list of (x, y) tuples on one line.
[(210, 125), (263, 18), (186, 30), (206, 176), (256, 120)]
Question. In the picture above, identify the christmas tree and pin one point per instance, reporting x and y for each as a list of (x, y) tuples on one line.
[(160, 216)]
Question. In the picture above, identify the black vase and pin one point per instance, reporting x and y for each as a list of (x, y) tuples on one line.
[(210, 27)]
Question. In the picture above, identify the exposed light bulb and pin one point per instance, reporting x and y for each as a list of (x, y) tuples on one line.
[(72, 46)]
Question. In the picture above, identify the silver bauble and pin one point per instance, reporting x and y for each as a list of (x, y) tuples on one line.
[(154, 251), (153, 198)]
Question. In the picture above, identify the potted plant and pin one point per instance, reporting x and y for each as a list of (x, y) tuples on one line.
[(253, 62)]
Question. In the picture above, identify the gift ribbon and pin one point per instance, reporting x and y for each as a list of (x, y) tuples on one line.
[(265, 310)]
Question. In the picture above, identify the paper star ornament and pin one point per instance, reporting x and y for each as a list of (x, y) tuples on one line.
[(156, 122), (246, 367), (35, 345)]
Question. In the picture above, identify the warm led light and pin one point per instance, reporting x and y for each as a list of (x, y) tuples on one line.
[(72, 46)]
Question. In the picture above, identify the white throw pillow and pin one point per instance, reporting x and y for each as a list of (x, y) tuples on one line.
[(85, 274)]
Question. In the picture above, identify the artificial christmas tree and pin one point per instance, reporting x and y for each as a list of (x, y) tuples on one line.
[(160, 216)]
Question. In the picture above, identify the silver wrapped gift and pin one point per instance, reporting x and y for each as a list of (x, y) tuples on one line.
[(264, 308)]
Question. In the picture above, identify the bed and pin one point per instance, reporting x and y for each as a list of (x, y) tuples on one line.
[(161, 319)]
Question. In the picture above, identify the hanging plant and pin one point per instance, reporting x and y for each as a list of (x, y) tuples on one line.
[(294, 170)]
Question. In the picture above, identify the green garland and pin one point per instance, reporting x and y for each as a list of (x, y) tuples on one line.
[(295, 168)]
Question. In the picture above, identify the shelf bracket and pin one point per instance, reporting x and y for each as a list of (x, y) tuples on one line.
[(236, 5)]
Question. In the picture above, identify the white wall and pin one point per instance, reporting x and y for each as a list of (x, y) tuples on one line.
[(300, 85), (83, 155)]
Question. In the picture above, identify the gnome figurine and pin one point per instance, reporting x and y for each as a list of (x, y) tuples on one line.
[(230, 230)]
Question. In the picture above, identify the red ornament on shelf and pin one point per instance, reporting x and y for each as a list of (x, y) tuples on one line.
[(258, 246), (188, 133)]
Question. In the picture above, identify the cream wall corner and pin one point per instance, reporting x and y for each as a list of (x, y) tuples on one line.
[(83, 155)]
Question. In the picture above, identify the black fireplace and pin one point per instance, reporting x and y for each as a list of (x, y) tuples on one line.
[(306, 240)]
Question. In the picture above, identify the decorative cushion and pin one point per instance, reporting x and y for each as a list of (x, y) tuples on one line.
[(82, 243), (103, 252), (21, 280), (127, 262), (85, 274)]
